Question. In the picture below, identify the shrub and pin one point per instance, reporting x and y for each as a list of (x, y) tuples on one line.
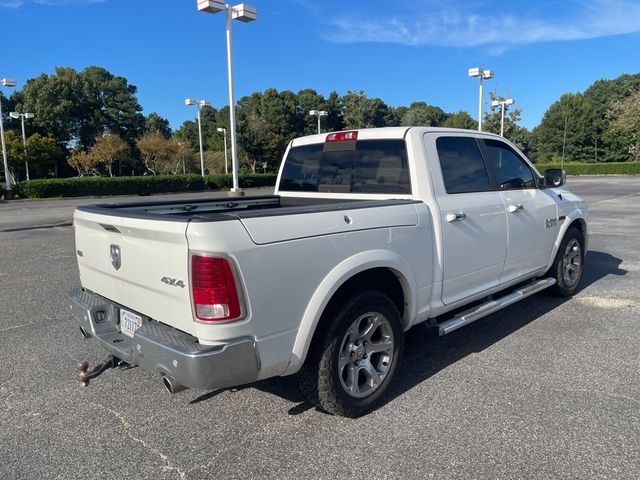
[(605, 168), (144, 185), (98, 186), (258, 180)]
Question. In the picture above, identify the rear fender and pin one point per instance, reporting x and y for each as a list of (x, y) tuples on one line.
[(335, 279)]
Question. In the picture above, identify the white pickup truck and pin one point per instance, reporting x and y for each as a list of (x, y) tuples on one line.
[(368, 233)]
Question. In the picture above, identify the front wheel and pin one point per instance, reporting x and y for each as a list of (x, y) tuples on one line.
[(568, 265), (351, 367)]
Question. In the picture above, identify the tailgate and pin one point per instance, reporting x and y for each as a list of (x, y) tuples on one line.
[(141, 264)]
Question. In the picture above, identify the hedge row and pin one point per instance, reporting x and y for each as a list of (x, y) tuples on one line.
[(145, 185), (611, 168)]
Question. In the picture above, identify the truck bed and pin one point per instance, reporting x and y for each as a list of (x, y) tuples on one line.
[(219, 209)]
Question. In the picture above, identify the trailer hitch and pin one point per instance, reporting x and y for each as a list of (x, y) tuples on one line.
[(84, 375)]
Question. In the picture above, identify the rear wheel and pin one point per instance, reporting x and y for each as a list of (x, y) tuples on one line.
[(568, 265), (351, 367)]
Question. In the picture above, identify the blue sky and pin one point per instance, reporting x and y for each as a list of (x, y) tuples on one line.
[(414, 50)]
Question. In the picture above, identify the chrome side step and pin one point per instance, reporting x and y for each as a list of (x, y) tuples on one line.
[(476, 313)]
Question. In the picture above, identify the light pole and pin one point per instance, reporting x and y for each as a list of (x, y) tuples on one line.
[(503, 103), (8, 193), (482, 75), (226, 163), (199, 104), (318, 113), (22, 117), (246, 14)]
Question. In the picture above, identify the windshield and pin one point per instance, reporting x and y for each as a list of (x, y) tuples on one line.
[(363, 166)]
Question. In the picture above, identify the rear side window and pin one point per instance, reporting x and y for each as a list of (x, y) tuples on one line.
[(510, 170), (463, 169), (363, 166)]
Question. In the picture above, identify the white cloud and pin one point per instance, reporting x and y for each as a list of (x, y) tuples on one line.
[(584, 20)]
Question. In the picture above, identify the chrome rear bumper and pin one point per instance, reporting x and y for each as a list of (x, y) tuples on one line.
[(159, 348)]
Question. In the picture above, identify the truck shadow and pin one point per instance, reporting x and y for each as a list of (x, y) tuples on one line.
[(426, 353)]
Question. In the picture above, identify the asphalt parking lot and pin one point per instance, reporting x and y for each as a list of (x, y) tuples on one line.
[(547, 388)]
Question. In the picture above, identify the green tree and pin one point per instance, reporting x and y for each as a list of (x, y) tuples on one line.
[(42, 154), (624, 129), (75, 108), (153, 121), (517, 134), (308, 99), (566, 131), (460, 119), (267, 122), (334, 122), (363, 112), (421, 114), (188, 132)]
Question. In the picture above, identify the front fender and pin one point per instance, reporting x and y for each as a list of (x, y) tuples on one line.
[(337, 277), (578, 213)]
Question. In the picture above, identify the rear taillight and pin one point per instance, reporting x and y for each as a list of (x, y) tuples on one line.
[(342, 136), (215, 292)]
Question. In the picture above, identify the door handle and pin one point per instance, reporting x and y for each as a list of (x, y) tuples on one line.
[(455, 217), (515, 208)]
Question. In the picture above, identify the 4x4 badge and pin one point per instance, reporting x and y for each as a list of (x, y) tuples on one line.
[(116, 256), (174, 282)]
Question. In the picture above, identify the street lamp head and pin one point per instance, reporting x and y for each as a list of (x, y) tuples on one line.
[(29, 115), (509, 101), (323, 113), (222, 130), (8, 82), (244, 13), (495, 103), (486, 74), (14, 114), (475, 72), (190, 101), (211, 6), (313, 112), (204, 103)]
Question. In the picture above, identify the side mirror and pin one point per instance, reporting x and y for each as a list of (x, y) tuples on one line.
[(555, 177)]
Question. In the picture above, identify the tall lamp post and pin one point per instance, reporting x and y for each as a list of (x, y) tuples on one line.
[(502, 103), (246, 14), (22, 117), (226, 163), (318, 113), (199, 104), (482, 75), (8, 193)]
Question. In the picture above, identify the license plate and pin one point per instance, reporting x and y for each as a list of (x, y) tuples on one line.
[(129, 322)]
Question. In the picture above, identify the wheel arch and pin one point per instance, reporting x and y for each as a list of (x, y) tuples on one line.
[(576, 220), (384, 271)]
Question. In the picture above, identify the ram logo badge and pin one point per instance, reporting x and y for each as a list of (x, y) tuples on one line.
[(174, 282)]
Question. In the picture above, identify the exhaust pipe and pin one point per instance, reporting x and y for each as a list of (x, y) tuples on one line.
[(172, 385)]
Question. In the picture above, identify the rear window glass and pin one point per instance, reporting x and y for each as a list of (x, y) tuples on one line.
[(363, 166), (463, 169)]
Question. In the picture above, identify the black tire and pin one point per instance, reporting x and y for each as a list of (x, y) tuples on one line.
[(345, 384), (568, 265)]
